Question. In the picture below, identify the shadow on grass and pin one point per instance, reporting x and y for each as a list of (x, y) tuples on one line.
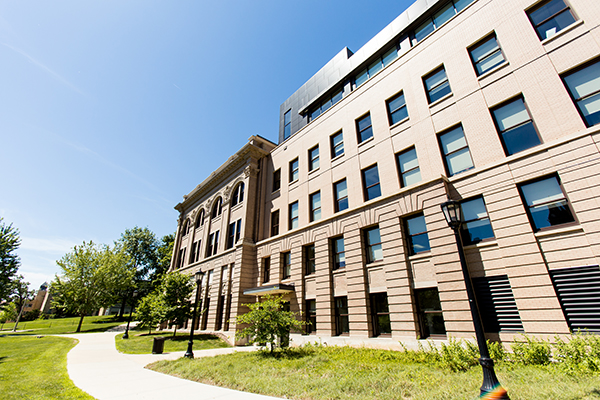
[(2, 359), (286, 354)]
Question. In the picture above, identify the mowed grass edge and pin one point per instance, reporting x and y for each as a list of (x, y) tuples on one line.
[(320, 373), (36, 368), (141, 343)]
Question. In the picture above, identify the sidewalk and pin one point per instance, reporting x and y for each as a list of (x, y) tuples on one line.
[(96, 367)]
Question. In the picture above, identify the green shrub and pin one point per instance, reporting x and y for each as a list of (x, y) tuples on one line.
[(497, 351), (579, 354), (458, 355), (531, 351)]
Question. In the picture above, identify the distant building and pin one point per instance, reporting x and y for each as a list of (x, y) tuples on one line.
[(495, 104), (41, 301)]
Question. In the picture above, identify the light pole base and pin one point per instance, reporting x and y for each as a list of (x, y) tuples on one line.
[(491, 388), (189, 353)]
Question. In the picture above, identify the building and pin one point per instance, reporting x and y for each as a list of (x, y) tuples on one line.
[(493, 103), (41, 301)]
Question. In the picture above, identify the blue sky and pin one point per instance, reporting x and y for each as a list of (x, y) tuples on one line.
[(111, 111)]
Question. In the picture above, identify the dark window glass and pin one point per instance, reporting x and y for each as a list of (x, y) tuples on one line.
[(309, 259), (380, 314), (338, 253), (341, 195), (408, 164), (293, 224), (374, 251), (238, 195), (327, 102), (276, 180), (431, 318), (275, 223), (364, 128), (200, 219), (315, 206), (287, 124), (382, 61), (311, 316), (337, 144), (418, 240), (486, 55), (476, 224), (456, 152), (439, 18), (313, 158), (217, 208), (437, 85), (515, 127), (371, 186), (266, 269), (546, 203), (294, 170), (396, 107), (286, 264), (231, 235), (550, 17), (584, 87), (342, 325), (213, 244)]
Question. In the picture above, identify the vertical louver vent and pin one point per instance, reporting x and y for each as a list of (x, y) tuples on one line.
[(578, 290), (497, 304)]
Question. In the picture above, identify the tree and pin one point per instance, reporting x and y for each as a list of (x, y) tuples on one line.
[(151, 311), (9, 261), (91, 278), (20, 295), (176, 289), (164, 253), (268, 321), (9, 313)]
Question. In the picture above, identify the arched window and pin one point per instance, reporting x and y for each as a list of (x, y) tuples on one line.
[(238, 195), (200, 219), (186, 227), (217, 208)]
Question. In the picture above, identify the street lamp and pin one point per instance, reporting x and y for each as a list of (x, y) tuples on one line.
[(451, 210), (189, 353), (126, 334)]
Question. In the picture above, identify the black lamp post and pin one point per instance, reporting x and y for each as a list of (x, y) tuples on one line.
[(451, 210), (126, 334), (189, 353)]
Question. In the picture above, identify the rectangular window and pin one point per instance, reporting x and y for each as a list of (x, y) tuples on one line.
[(371, 186), (584, 88), (439, 18), (476, 224), (294, 170), (342, 325), (231, 234), (416, 233), (309, 259), (546, 203), (436, 85), (286, 264), (431, 319), (315, 206), (287, 124), (373, 249), (515, 126), (313, 158), (341, 195), (381, 62), (338, 253), (327, 102), (276, 180), (293, 213), (213, 244), (337, 144), (380, 314), (196, 249), (266, 269), (275, 223), (550, 17), (364, 128), (456, 153), (311, 316), (408, 165), (486, 55), (396, 108)]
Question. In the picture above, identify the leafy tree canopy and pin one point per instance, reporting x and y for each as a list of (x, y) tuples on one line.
[(176, 289), (92, 276), (9, 261), (164, 253), (141, 245)]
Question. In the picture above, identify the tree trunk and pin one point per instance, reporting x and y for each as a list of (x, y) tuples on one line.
[(122, 310), (19, 317), (80, 323), (175, 331)]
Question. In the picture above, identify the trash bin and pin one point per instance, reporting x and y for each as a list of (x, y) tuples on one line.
[(158, 345)]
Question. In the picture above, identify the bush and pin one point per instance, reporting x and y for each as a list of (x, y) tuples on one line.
[(31, 315), (497, 351), (531, 351), (580, 354), (458, 355)]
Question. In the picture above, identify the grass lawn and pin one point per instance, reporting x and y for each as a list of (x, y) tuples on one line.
[(347, 373), (32, 368), (59, 326), (141, 343)]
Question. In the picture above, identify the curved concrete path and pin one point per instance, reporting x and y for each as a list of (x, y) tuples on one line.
[(96, 367)]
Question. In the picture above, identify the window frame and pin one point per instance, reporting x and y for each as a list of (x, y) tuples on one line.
[(291, 218), (488, 55), (313, 209), (376, 314), (334, 147), (266, 269), (238, 195), (338, 200), (212, 246), (311, 316), (340, 316), (539, 6), (359, 132), (430, 75), (445, 156), (336, 264), (276, 180), (294, 171), (309, 260), (286, 265), (390, 112), (409, 236), (313, 159), (464, 232), (364, 182), (275, 223), (217, 208), (401, 174), (368, 246), (519, 125), (421, 314), (287, 125), (575, 100)]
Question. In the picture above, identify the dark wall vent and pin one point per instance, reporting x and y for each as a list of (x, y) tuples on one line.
[(497, 304)]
